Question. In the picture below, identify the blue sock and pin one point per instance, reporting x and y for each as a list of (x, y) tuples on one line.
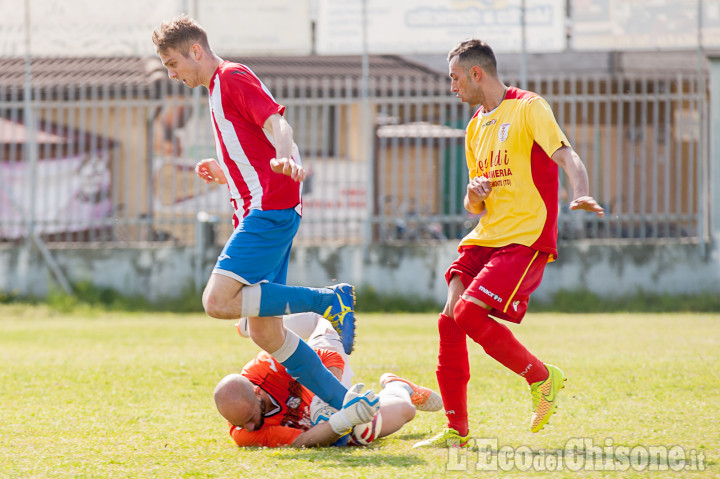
[(342, 441), (304, 364), (278, 299)]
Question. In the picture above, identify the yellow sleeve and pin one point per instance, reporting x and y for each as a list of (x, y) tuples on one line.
[(469, 152), (543, 127)]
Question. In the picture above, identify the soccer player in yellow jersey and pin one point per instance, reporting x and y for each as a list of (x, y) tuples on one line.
[(514, 147)]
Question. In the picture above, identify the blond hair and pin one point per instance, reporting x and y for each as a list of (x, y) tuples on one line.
[(179, 33)]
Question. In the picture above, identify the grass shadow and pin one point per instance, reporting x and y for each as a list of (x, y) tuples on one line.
[(415, 436), (348, 457)]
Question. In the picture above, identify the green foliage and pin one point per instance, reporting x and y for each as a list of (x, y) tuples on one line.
[(584, 301), (8, 297), (89, 296), (370, 300), (109, 394)]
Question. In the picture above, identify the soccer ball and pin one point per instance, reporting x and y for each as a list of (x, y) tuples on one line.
[(364, 434)]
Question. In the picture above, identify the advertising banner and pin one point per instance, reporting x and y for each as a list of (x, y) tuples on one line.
[(432, 26), (645, 25)]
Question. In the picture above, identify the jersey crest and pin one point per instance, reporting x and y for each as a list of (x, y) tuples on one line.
[(503, 132)]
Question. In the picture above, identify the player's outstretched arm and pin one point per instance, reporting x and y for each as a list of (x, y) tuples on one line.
[(573, 166), (320, 435)]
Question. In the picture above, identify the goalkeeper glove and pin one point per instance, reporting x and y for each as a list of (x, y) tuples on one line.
[(357, 409), (320, 411)]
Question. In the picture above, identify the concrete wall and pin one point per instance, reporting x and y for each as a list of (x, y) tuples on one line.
[(163, 271)]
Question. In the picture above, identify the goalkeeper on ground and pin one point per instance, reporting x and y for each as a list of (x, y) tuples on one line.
[(266, 407)]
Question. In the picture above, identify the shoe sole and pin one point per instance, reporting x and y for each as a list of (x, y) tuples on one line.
[(351, 330), (449, 442)]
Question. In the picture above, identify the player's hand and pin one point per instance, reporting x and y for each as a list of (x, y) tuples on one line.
[(320, 411), (288, 167), (587, 203), (210, 171), (357, 409), (479, 189)]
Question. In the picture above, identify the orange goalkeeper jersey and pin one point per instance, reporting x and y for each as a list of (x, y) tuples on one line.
[(289, 414), (512, 147)]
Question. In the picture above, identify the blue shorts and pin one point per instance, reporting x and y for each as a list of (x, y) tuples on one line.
[(258, 251)]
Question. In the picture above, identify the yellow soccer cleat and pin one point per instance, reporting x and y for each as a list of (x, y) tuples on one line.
[(544, 397), (446, 438)]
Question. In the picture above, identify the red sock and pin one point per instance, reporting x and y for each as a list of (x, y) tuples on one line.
[(498, 341), (453, 373)]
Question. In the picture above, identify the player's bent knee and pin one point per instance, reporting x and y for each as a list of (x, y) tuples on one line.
[(455, 290), (446, 324), (408, 412), (472, 318), (222, 297), (217, 307), (396, 416)]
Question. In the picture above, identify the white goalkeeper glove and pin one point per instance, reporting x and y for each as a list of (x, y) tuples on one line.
[(320, 411), (357, 409)]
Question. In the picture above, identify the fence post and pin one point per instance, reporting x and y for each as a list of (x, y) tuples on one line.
[(368, 133), (31, 151), (204, 239), (714, 157)]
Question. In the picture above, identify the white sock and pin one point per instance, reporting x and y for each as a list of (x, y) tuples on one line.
[(302, 324), (288, 348), (250, 301), (388, 394), (395, 388)]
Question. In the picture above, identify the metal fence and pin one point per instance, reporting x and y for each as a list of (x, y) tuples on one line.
[(107, 165)]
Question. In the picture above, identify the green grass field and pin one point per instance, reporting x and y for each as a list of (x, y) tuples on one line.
[(126, 395)]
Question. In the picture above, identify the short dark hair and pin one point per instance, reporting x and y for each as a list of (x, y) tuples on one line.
[(180, 34), (472, 52)]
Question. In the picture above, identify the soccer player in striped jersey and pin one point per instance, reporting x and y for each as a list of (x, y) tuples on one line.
[(260, 164), (513, 149)]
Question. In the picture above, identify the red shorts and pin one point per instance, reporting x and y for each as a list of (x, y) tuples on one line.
[(503, 278)]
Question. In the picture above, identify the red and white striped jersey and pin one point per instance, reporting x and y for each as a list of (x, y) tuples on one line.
[(239, 106)]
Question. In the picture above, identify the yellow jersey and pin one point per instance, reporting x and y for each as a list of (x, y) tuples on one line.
[(512, 147)]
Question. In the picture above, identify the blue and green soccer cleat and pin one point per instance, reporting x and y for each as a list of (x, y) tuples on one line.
[(341, 314)]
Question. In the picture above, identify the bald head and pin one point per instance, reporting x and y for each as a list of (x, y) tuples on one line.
[(236, 400)]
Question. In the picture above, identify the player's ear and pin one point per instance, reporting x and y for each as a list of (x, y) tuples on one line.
[(196, 52)]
